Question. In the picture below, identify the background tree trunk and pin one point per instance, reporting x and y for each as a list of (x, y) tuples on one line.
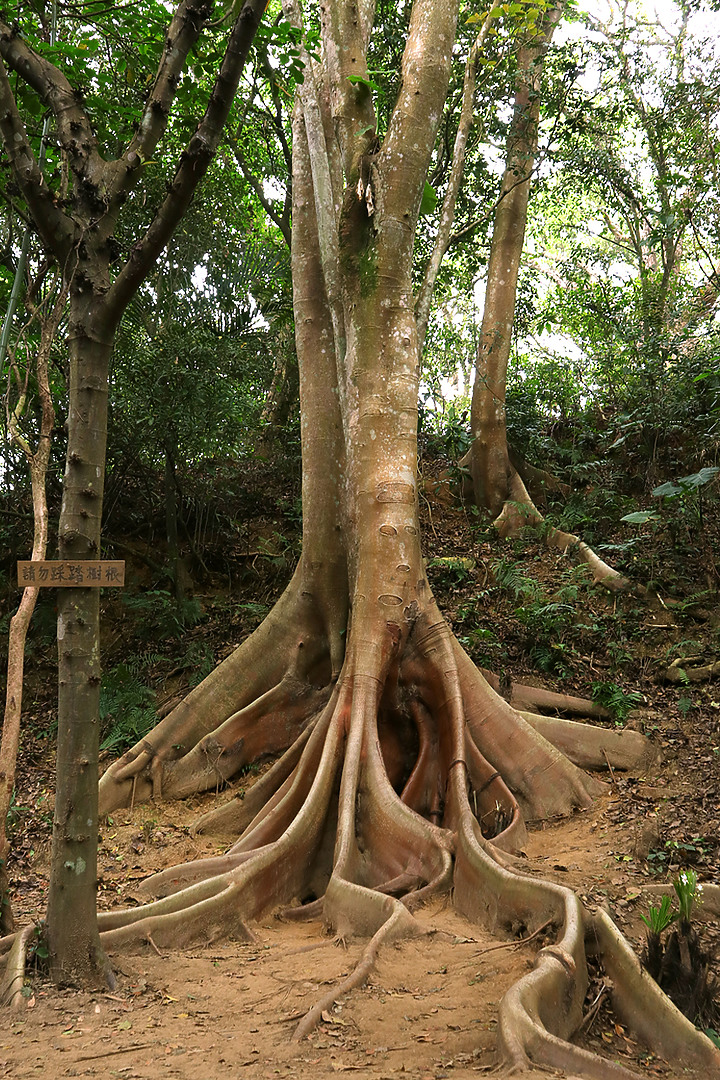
[(177, 573), (498, 486), (82, 243), (490, 464), (38, 463)]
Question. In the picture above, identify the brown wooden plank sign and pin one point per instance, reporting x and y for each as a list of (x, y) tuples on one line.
[(66, 574)]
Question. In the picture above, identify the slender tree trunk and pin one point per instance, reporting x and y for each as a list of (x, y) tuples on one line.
[(283, 393), (447, 214), (490, 462), (38, 463), (16, 640), (171, 521), (497, 484), (73, 941)]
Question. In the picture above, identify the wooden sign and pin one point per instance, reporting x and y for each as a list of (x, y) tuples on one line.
[(65, 574)]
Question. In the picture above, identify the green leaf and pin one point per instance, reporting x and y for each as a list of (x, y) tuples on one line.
[(369, 84), (699, 479), (429, 199), (667, 488), (639, 517)]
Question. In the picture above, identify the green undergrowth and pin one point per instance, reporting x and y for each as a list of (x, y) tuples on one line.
[(131, 688)]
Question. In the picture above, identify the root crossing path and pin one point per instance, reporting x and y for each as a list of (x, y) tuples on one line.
[(430, 1005)]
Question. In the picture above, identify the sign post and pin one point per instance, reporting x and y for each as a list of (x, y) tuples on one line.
[(66, 574)]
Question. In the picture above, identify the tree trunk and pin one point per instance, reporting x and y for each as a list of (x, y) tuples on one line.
[(38, 463), (491, 467), (282, 396), (171, 522), (74, 945), (498, 486), (82, 241)]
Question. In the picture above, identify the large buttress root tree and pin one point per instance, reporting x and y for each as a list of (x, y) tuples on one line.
[(499, 479), (399, 771)]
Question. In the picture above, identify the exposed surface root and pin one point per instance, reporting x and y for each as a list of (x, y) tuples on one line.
[(519, 512), (305, 912), (710, 895), (254, 703), (638, 999), (266, 727), (540, 1012), (595, 748), (234, 816), (544, 781), (407, 777), (537, 481), (13, 980), (537, 699), (394, 927), (688, 670)]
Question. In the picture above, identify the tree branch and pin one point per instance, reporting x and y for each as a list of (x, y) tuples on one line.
[(425, 74), (327, 198), (182, 33), (278, 118), (457, 169), (55, 228), (50, 84), (194, 161), (281, 222), (351, 103)]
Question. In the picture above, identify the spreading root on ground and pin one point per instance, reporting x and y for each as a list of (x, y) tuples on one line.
[(403, 776)]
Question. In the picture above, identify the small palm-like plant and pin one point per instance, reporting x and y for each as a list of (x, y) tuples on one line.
[(659, 917), (679, 963)]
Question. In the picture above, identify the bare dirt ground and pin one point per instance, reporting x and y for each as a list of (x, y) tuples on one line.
[(230, 1008)]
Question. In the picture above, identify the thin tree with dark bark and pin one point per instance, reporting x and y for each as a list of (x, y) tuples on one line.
[(78, 232)]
